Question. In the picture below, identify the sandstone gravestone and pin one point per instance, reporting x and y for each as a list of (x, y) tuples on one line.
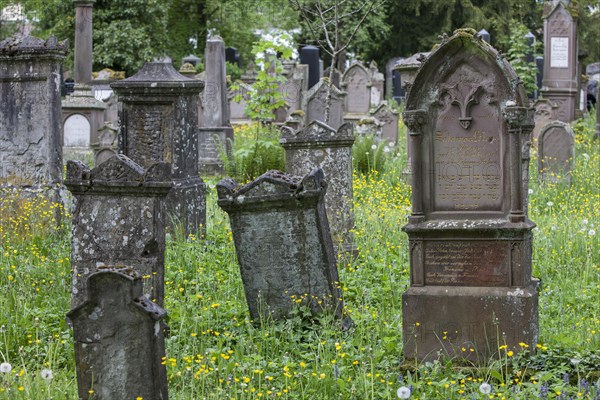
[(356, 82), (469, 234), (556, 152), (315, 105), (377, 84), (238, 98), (158, 123), (119, 340), (545, 112), (561, 83), (388, 119), (107, 144), (215, 131), (282, 242), (119, 219), (318, 145), (30, 126)]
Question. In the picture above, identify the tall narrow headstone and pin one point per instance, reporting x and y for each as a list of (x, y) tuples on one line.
[(119, 219), (561, 83), (545, 112), (119, 339), (215, 131), (315, 104), (471, 289), (83, 41), (377, 84), (30, 124), (388, 119), (356, 82), (539, 76), (556, 152), (159, 123), (309, 55), (319, 145), (389, 84), (282, 242)]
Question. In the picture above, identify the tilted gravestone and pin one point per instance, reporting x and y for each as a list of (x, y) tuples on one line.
[(318, 145), (215, 131), (282, 242), (119, 339), (560, 84), (321, 98), (545, 112), (356, 82), (159, 124), (556, 152), (30, 125), (119, 219), (471, 289)]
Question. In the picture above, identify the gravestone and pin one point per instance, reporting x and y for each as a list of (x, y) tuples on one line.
[(215, 131), (309, 55), (238, 98), (158, 123), (315, 105), (119, 219), (233, 56), (107, 144), (318, 145), (485, 36), (388, 119), (295, 85), (556, 152), (335, 77), (191, 59), (282, 242), (250, 74), (356, 82), (30, 127), (392, 89), (561, 82), (545, 112), (539, 76), (377, 82), (408, 69), (119, 339), (469, 234)]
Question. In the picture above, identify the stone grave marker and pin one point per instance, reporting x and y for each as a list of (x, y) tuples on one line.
[(318, 145), (556, 152), (282, 242), (119, 219), (377, 85), (545, 112), (356, 82), (315, 104), (469, 234), (237, 102), (560, 84), (119, 339), (215, 129), (31, 151), (158, 123), (309, 55), (107, 144), (388, 118)]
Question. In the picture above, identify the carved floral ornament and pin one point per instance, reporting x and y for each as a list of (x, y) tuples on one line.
[(415, 120), (464, 95)]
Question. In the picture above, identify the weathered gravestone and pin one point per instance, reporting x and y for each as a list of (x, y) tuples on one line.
[(356, 82), (107, 144), (215, 131), (315, 104), (545, 112), (318, 145), (469, 234), (560, 84), (119, 219), (159, 123), (282, 242), (119, 339), (30, 126), (556, 152), (238, 98), (388, 119), (309, 55), (295, 85), (377, 84)]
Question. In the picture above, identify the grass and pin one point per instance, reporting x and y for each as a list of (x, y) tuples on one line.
[(215, 352)]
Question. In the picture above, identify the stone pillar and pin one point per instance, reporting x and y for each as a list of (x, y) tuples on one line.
[(158, 123), (471, 293), (309, 55), (83, 41), (119, 219), (30, 125), (119, 339), (215, 129), (282, 241), (318, 145), (560, 83)]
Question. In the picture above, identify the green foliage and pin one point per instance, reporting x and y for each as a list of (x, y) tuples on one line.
[(256, 150), (233, 71), (369, 154), (518, 50)]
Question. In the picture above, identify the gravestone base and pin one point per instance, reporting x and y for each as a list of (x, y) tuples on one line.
[(187, 198), (213, 141), (468, 322), (564, 99)]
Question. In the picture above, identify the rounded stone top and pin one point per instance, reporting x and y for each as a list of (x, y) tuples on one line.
[(155, 76), (16, 45)]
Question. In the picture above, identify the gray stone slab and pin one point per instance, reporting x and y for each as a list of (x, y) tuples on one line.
[(556, 152)]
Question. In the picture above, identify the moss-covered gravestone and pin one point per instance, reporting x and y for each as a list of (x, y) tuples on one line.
[(471, 289)]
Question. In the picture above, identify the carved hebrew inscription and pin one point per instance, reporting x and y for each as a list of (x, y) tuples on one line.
[(467, 146), (467, 263)]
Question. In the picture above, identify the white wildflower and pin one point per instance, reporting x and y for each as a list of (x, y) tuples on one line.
[(549, 204), (530, 191), (403, 392), (591, 232), (373, 147), (5, 367), (485, 388), (46, 374)]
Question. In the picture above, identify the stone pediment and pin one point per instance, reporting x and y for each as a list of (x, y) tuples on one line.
[(31, 44)]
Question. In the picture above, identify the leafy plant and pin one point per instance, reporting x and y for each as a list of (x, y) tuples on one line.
[(518, 52)]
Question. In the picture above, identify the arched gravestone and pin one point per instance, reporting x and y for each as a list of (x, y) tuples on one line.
[(357, 84), (556, 152), (469, 235), (76, 131)]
